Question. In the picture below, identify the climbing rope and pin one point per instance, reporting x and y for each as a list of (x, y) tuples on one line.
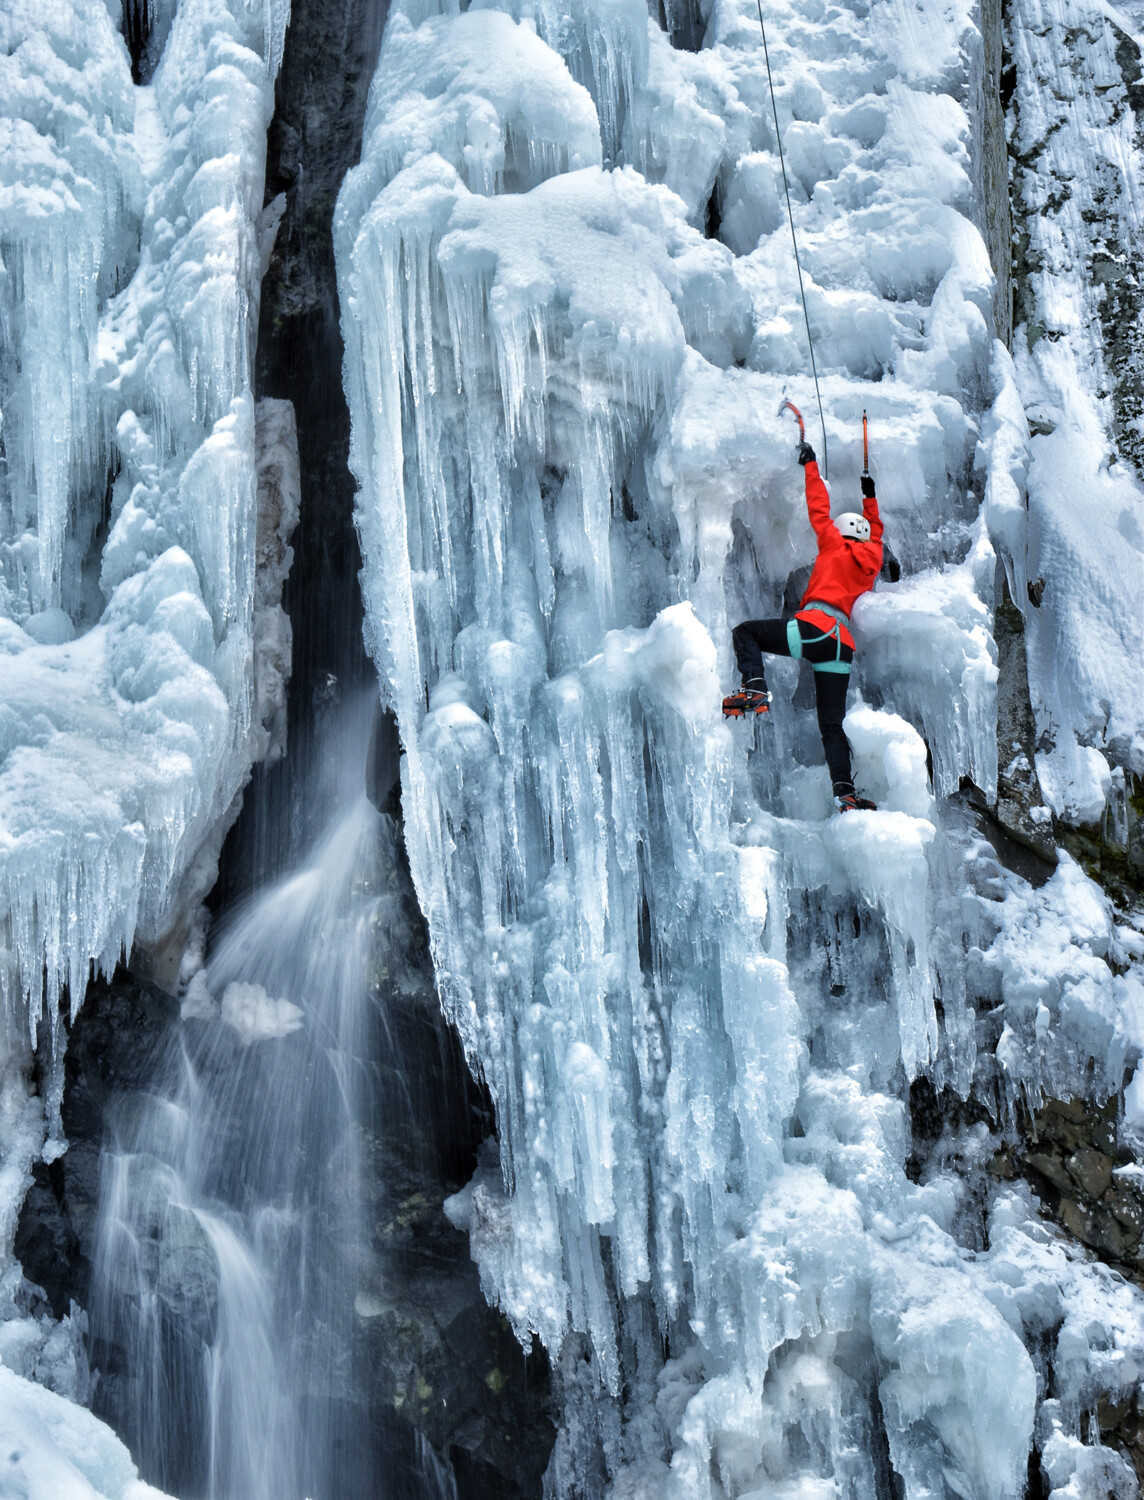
[(794, 242)]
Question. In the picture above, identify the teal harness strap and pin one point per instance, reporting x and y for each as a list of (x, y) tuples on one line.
[(796, 643)]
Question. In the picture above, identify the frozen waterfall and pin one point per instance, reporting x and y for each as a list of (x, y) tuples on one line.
[(141, 555), (699, 1003), (817, 1159)]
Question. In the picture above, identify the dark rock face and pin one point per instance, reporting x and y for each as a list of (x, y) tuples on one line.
[(439, 1361), (685, 22), (434, 1359), (1115, 266), (1020, 807), (109, 1059), (1112, 851), (315, 137), (1068, 1151), (994, 212)]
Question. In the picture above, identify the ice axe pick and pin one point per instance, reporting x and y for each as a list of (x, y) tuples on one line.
[(786, 405)]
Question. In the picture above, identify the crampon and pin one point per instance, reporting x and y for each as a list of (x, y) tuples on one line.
[(745, 702), (849, 801)]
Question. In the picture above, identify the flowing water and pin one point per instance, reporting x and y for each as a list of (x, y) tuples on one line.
[(231, 1238)]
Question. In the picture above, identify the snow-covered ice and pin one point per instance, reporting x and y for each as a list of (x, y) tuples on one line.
[(1080, 376), (570, 312), (697, 999), (146, 505), (54, 1450), (132, 607)]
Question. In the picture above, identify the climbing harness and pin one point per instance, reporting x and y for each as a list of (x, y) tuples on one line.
[(794, 242), (832, 625)]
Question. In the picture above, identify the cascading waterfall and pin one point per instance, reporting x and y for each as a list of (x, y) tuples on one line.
[(231, 1237)]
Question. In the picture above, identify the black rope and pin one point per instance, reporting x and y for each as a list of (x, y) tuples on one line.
[(794, 242)]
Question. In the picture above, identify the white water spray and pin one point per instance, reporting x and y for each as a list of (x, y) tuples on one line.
[(231, 1239)]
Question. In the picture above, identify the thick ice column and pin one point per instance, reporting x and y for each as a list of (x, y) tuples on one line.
[(604, 44), (508, 359), (142, 671), (127, 746), (70, 201)]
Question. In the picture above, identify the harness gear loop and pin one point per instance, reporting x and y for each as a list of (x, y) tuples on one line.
[(794, 242)]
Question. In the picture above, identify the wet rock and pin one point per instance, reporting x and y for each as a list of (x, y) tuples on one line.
[(109, 1061), (1075, 1111), (1051, 1168), (994, 212), (1020, 808), (1080, 1223), (1091, 1171), (140, 1212), (1084, 1178), (188, 1273), (1128, 1208), (1110, 1239), (434, 1357), (1121, 1425)]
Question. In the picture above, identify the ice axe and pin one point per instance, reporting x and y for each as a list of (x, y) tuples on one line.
[(785, 405), (865, 447)]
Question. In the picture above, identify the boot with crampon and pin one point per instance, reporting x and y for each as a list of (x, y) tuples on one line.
[(752, 698), (846, 799)]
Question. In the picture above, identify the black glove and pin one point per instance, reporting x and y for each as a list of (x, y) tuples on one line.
[(867, 487), (805, 453)]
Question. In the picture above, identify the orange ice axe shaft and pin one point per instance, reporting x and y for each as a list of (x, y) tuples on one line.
[(865, 445)]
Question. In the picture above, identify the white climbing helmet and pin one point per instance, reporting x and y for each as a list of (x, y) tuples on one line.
[(851, 524)]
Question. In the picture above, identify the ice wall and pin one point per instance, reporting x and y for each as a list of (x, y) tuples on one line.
[(53, 1450), (146, 505), (1075, 126), (133, 242), (696, 1000)]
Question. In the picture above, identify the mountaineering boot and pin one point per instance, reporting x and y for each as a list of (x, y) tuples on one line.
[(846, 799), (752, 698)]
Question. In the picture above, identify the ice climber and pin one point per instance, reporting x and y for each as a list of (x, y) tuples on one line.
[(849, 560)]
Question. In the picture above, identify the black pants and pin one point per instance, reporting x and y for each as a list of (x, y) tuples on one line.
[(753, 637)]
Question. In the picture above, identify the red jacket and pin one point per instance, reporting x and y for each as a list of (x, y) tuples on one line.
[(843, 568)]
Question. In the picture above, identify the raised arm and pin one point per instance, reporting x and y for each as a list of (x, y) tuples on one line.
[(818, 508)]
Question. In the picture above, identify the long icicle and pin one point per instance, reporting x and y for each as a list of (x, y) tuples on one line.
[(794, 242)]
